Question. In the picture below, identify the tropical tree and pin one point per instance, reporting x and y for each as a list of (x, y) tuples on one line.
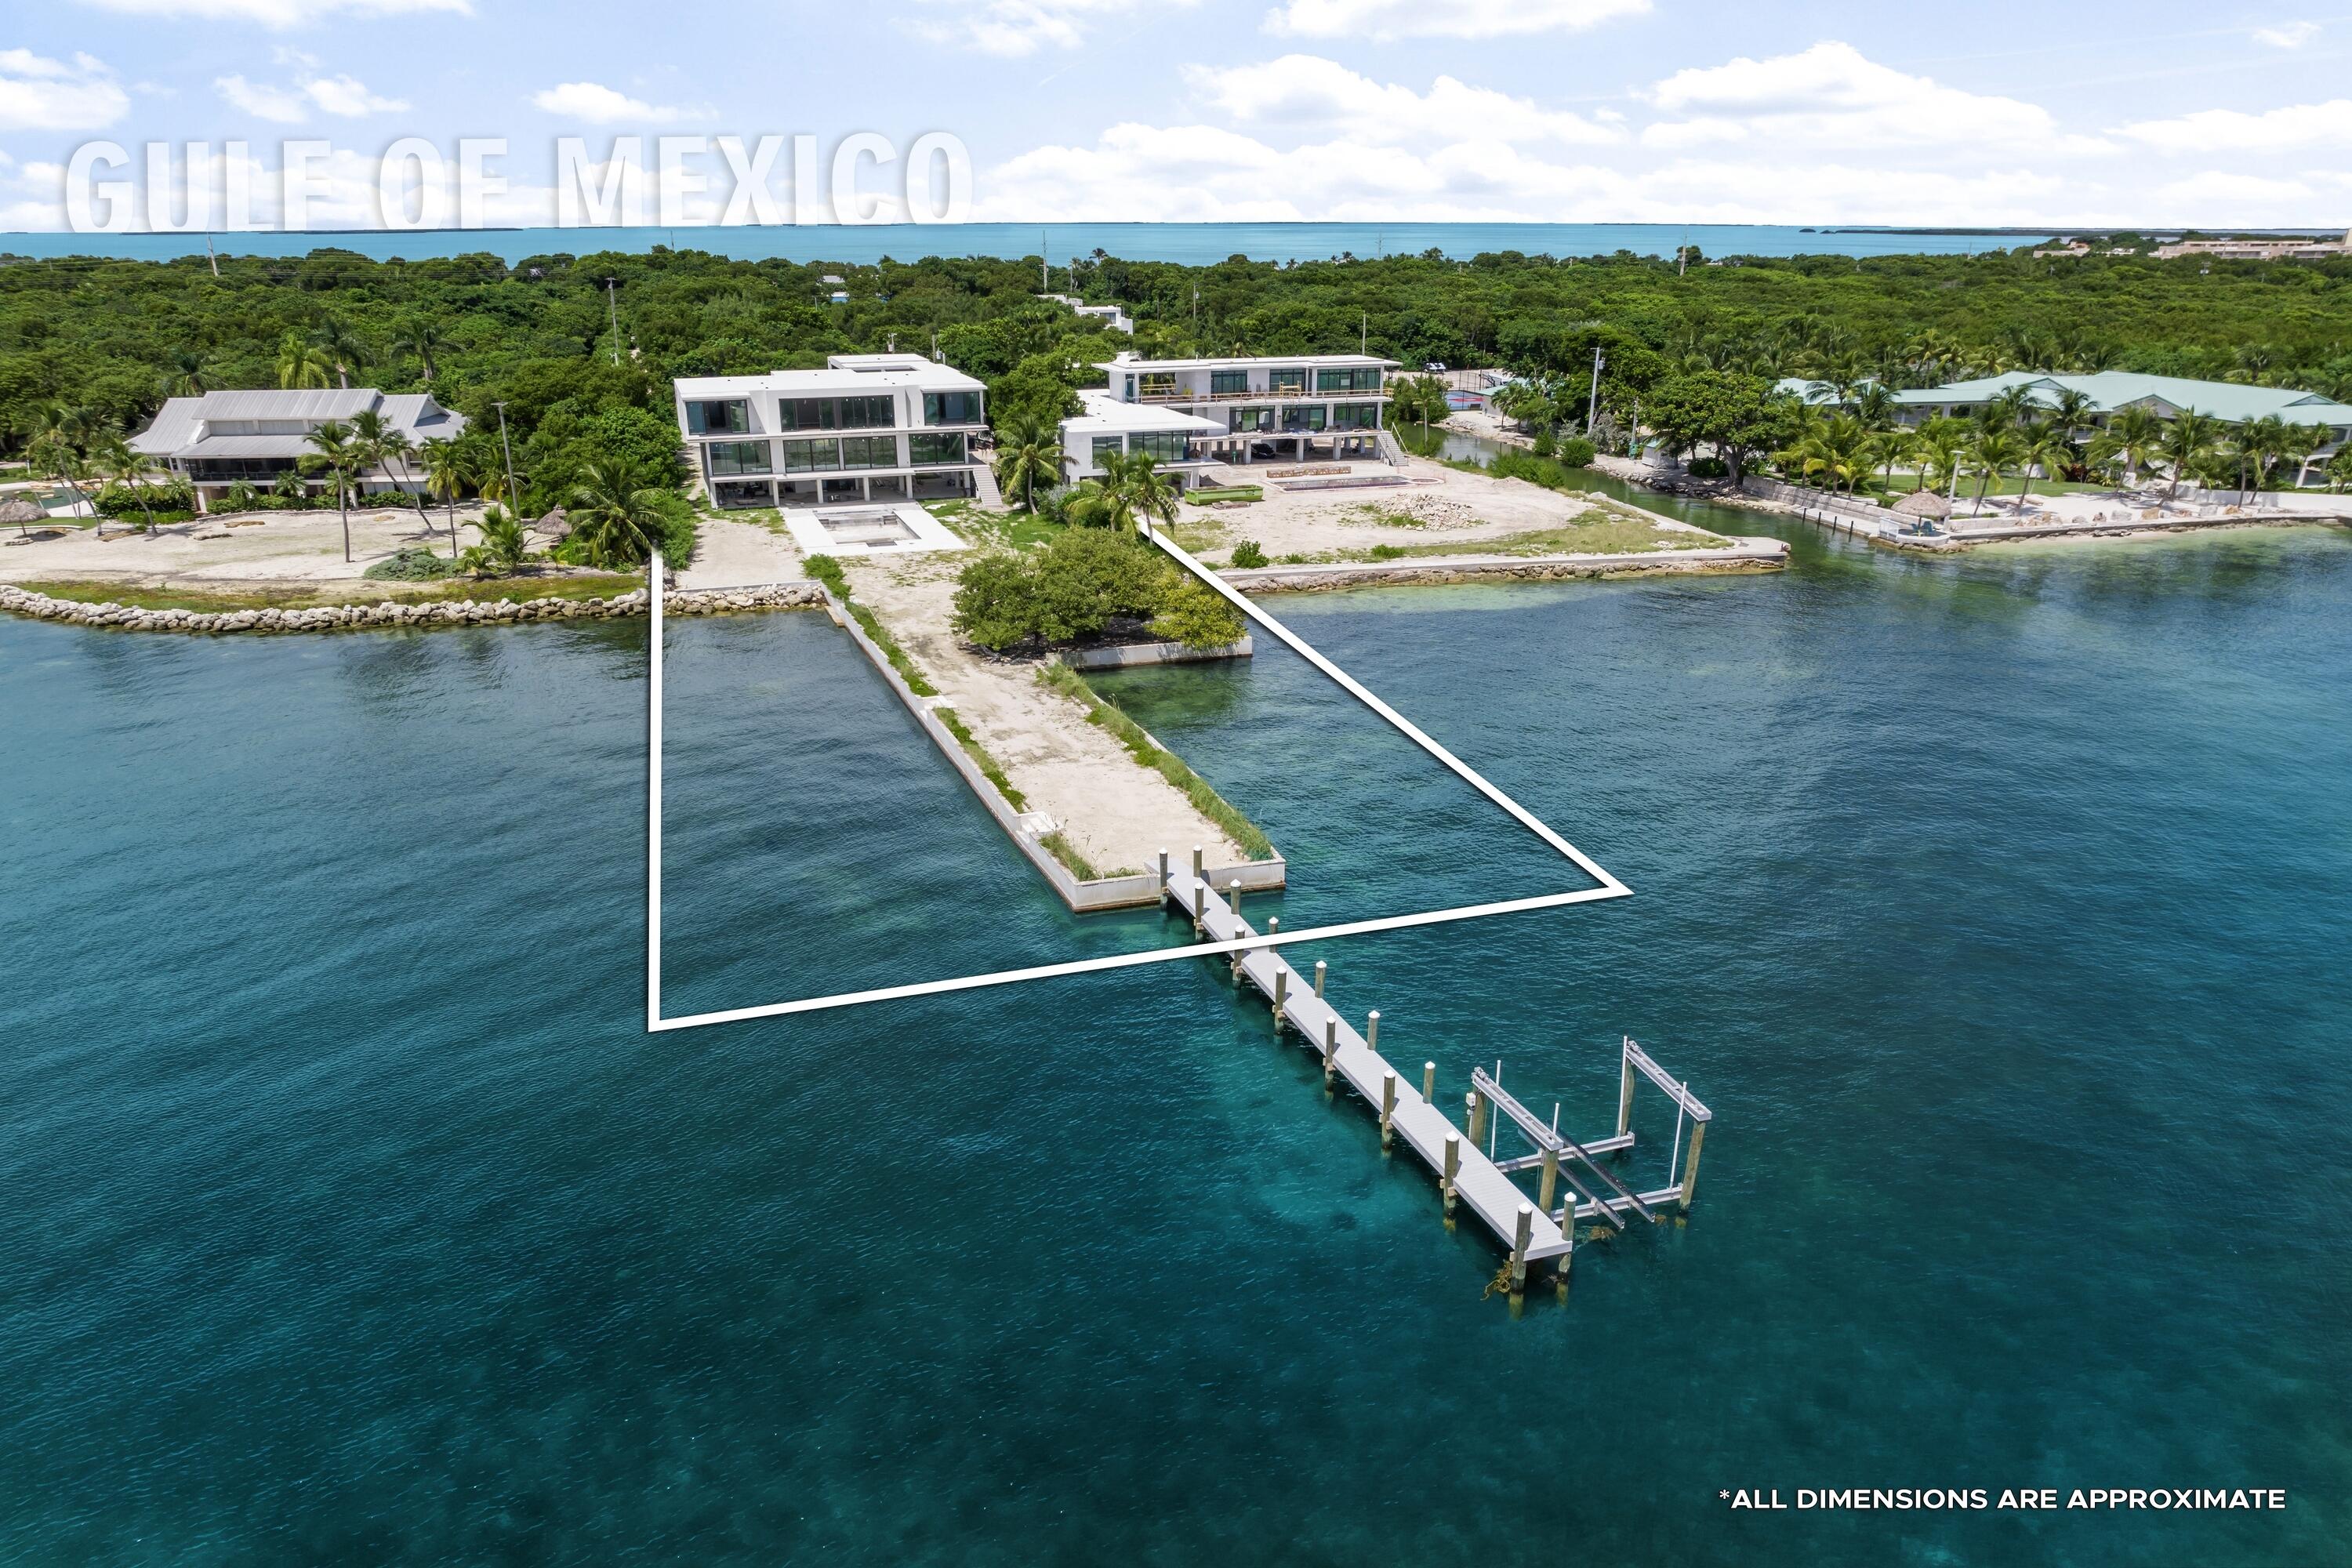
[(190, 374), (290, 486), (2188, 439), (504, 547), (2072, 410), (449, 469), (1943, 443), (342, 347), (1027, 456), (241, 496), (615, 516), (385, 442), (1996, 452), (2131, 436), (53, 457), (301, 362), (343, 457), (420, 337), (2339, 470), (2042, 446), (115, 462)]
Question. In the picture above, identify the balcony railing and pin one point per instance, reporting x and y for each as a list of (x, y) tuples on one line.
[(1259, 396)]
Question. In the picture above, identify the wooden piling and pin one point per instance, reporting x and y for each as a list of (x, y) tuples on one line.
[(1331, 1048), (1388, 1109), (1690, 1171), (1372, 1032), (1478, 1117), (1520, 1248), (1452, 1168), (1281, 993), (1429, 1082), (1163, 873), (1625, 1091), (1550, 1179), (1319, 968)]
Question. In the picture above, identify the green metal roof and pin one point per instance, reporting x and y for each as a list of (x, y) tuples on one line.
[(2110, 390)]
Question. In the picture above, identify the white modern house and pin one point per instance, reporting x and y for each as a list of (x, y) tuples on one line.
[(1111, 316), (1179, 442), (867, 428), (1295, 407), (222, 438)]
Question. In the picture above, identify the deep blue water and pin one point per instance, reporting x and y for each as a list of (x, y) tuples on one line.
[(1997, 906), (1193, 243)]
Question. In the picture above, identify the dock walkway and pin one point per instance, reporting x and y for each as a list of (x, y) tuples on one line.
[(1491, 1195)]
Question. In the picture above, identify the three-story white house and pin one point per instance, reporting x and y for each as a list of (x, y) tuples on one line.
[(867, 428), (1193, 413)]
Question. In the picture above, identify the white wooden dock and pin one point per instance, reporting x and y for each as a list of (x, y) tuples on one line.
[(1491, 1195)]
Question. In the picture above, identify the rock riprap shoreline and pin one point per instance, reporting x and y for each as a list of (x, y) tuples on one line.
[(389, 612)]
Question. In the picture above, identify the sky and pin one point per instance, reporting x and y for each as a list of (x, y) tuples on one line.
[(1975, 113)]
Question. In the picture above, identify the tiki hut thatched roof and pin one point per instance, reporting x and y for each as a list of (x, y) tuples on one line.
[(19, 511), (554, 524), (1925, 503)]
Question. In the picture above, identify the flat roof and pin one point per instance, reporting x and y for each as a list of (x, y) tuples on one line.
[(1103, 415), (1306, 361), (842, 373)]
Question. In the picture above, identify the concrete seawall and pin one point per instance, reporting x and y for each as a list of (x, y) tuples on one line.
[(1747, 555), (1128, 655)]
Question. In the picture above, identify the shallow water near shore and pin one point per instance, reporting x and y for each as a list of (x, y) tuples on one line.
[(1996, 905)]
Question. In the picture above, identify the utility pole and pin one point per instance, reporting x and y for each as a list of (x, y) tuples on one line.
[(1682, 255), (1364, 332), (1044, 268), (613, 300), (512, 499), (1196, 309), (1592, 403), (210, 257)]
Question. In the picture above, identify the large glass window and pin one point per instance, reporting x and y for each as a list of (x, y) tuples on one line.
[(806, 414), (1226, 381), (1253, 418), (952, 408), (1105, 447), (1165, 444), (1363, 378), (869, 413), (869, 451), (807, 456), (1158, 384), (717, 417), (1291, 379), (931, 448), (1356, 416), (738, 457)]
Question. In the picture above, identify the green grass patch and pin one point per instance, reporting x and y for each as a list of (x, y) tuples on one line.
[(1102, 711), (1606, 535), (310, 596), (990, 769), (1230, 493)]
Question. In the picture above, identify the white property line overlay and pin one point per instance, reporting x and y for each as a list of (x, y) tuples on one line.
[(1611, 888)]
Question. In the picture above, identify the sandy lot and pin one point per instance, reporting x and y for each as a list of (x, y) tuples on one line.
[(269, 546), (732, 553), (1118, 814), (1440, 506)]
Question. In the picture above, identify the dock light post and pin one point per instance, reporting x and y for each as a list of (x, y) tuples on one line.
[(1388, 1109), (1452, 1168), (1319, 979), (1331, 1048)]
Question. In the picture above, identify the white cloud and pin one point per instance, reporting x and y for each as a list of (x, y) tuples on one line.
[(2287, 35), (1387, 19), (37, 93), (277, 103), (1308, 91), (344, 96), (278, 13), (593, 103), (2211, 131), (1832, 96), (1014, 28)]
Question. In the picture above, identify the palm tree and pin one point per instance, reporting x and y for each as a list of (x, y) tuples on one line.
[(342, 349), (614, 515), (1995, 453), (336, 453), (1942, 444), (53, 457), (241, 496), (384, 441), (2132, 434), (420, 337), (2071, 410), (301, 363), (1149, 492), (190, 374), (120, 465), (2186, 443), (1025, 454), (2043, 444), (448, 468), (291, 486)]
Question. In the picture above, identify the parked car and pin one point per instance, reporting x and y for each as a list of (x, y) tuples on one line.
[(1434, 366)]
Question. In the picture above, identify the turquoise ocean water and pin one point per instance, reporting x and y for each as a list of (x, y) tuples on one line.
[(1997, 906), (1195, 244)]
